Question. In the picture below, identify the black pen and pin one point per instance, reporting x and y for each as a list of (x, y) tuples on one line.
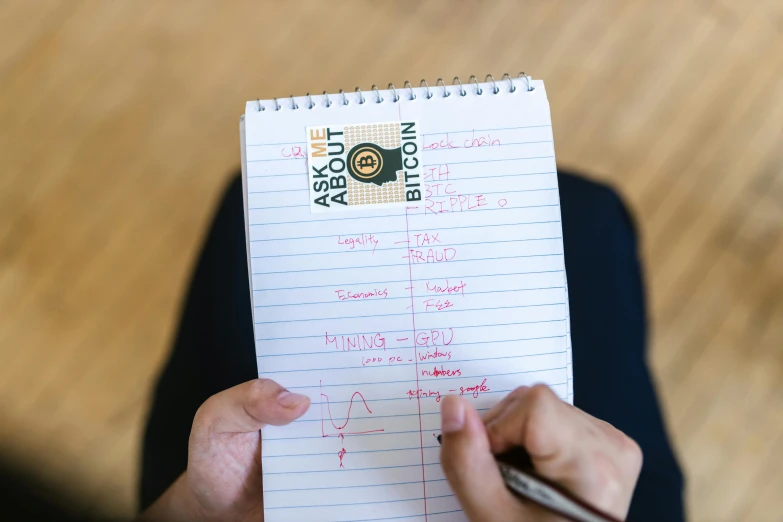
[(521, 479)]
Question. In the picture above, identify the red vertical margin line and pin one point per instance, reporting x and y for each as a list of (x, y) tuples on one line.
[(416, 355)]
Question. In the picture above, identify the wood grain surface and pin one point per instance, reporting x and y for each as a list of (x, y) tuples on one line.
[(118, 130)]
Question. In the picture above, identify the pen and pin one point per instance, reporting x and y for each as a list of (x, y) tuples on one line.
[(521, 479)]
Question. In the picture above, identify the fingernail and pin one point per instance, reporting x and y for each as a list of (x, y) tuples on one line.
[(289, 400), (452, 414)]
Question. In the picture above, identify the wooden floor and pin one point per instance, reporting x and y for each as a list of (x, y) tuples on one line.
[(118, 129)]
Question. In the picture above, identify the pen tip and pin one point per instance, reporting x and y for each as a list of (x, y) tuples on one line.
[(440, 437)]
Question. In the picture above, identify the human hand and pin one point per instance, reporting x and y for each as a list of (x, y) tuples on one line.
[(593, 460), (223, 479)]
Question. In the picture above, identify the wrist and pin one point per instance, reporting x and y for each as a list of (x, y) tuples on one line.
[(176, 504)]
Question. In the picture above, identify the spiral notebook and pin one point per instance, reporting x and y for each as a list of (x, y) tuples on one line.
[(403, 244)]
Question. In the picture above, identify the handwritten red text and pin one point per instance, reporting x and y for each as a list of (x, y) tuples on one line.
[(433, 305), (459, 203), (438, 173), (420, 394), (438, 189), (346, 343), (444, 143), (435, 288), (374, 361), (480, 141), (474, 390), (432, 255), (435, 337), (293, 152), (436, 354), (427, 239), (365, 240), (347, 295), (442, 372)]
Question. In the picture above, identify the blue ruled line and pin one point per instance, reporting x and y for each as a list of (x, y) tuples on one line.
[(368, 417), (430, 379), (428, 197), (358, 486), (427, 134), (484, 146), (487, 161), (426, 362), (358, 503), (406, 516), (309, 319), (407, 398), (416, 230), (440, 245), (453, 261), (452, 177), (347, 470), (472, 211), (487, 130), (409, 347), (482, 325), (274, 159), (381, 299), (411, 280), (286, 190), (402, 516), (450, 163)]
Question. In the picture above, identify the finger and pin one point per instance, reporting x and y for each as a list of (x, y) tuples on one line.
[(249, 407), (469, 465), (504, 404), (540, 422)]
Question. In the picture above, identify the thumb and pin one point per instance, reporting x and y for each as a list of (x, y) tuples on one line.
[(248, 407), (469, 465)]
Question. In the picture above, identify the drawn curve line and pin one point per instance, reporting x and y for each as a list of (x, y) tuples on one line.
[(347, 417)]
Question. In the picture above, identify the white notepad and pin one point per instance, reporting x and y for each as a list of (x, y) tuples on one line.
[(376, 301)]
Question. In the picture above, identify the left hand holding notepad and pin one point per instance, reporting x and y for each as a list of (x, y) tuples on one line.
[(223, 479), (588, 457)]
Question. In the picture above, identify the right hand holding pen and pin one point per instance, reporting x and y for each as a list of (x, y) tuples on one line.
[(587, 456)]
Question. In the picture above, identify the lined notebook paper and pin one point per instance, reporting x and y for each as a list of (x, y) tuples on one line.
[(378, 309)]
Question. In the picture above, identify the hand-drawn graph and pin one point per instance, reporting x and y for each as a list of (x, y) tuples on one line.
[(338, 429)]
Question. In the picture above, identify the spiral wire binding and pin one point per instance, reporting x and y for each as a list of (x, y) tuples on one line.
[(513, 88), (495, 89), (410, 87), (427, 87), (378, 97), (473, 79), (412, 95), (446, 92), (395, 97), (462, 91)]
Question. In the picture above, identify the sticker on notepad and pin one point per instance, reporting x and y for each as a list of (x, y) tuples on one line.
[(361, 166)]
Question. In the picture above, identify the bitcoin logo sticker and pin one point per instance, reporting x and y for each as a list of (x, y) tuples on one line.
[(366, 162), (370, 163), (364, 165)]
